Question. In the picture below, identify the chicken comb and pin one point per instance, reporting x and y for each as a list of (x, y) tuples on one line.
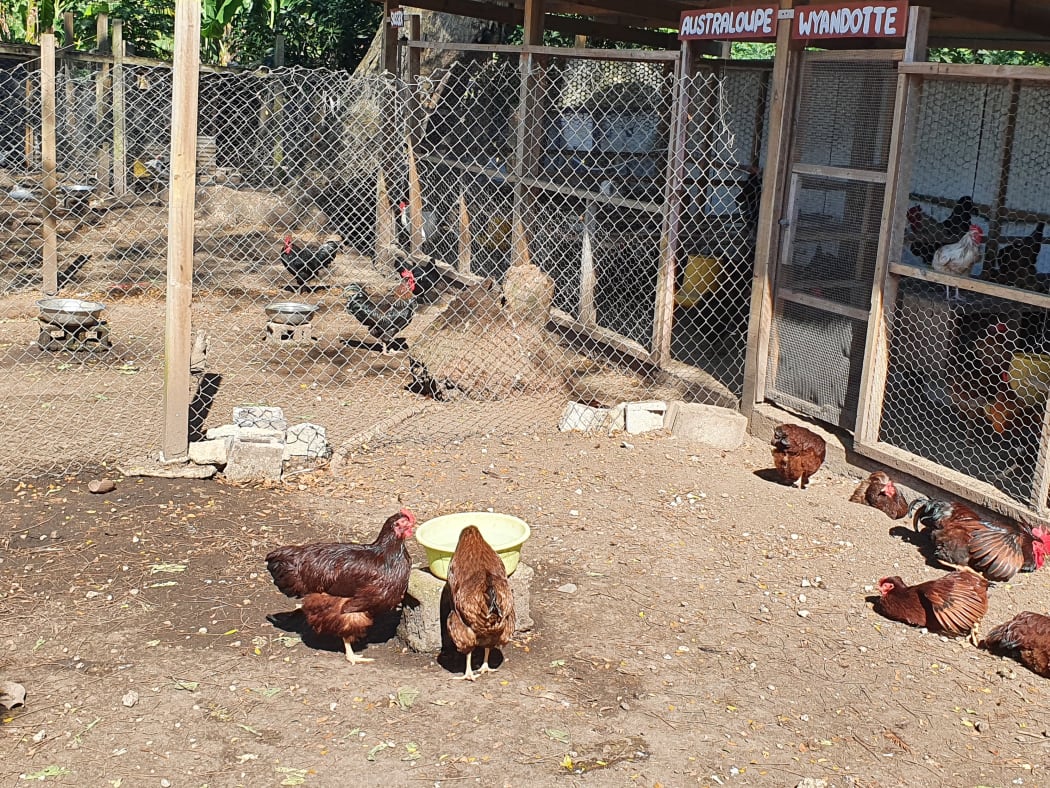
[(408, 514)]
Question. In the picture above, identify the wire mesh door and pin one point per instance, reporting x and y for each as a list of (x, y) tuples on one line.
[(833, 215)]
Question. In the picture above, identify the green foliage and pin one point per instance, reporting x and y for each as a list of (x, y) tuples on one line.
[(149, 26), (992, 57), (751, 50)]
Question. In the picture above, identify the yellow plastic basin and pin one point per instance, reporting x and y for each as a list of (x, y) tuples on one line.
[(504, 533)]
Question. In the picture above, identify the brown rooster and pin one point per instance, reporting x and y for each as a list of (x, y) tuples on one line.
[(953, 604), (482, 603), (345, 585), (996, 549), (879, 491), (1026, 637), (797, 453)]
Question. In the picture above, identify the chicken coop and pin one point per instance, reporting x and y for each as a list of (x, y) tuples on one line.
[(582, 223)]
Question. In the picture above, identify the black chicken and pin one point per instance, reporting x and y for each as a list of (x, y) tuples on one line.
[(306, 263), (384, 315), (1015, 262)]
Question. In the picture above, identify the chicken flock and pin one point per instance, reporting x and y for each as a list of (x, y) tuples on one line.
[(978, 550), (384, 313), (345, 587)]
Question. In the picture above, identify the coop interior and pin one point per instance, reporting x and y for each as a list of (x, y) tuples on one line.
[(969, 364), (312, 182)]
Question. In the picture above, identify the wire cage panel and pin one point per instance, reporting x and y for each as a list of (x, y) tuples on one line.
[(845, 113), (967, 384)]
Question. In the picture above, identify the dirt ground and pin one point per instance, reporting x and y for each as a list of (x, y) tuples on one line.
[(696, 624)]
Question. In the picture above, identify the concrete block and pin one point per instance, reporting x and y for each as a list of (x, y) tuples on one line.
[(210, 452), (644, 416), (306, 440), (251, 459), (259, 416), (421, 620), (582, 418), (427, 605), (222, 431), (245, 433), (709, 425)]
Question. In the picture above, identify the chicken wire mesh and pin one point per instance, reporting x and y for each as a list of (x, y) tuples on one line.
[(316, 190), (969, 365), (824, 281)]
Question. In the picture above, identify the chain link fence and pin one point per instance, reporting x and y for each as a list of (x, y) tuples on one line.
[(527, 201), (969, 354)]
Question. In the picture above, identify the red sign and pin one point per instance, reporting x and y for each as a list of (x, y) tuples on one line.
[(725, 24), (851, 20)]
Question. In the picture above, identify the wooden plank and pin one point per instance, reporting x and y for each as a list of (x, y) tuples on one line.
[(533, 23), (182, 191), (790, 226), (526, 138), (463, 259), (585, 53), (29, 148), (101, 85), (386, 235), (1002, 172), (415, 200), (966, 71), (841, 173), (520, 253), (67, 28), (666, 277), (278, 51), (851, 55), (389, 49), (49, 163), (120, 163), (951, 481), (1016, 294), (1041, 477), (823, 304), (588, 313), (767, 237)]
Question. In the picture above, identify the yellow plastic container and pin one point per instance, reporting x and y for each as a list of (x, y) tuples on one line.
[(1030, 378), (440, 535), (701, 278)]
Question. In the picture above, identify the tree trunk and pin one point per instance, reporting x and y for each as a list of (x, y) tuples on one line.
[(438, 27)]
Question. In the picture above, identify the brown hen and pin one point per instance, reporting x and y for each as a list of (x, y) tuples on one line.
[(482, 603), (953, 604), (797, 453), (996, 549), (879, 491), (345, 585), (1026, 638)]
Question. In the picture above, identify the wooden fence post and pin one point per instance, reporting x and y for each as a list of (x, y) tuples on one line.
[(49, 162), (463, 261), (120, 164), (767, 236), (588, 313), (101, 78), (182, 193)]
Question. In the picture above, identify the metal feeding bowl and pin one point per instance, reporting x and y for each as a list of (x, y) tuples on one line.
[(70, 313), (290, 313)]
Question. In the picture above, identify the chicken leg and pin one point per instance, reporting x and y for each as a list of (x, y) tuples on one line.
[(352, 656), (974, 634), (485, 664), (468, 674)]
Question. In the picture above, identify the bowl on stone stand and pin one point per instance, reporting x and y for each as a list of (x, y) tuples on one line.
[(439, 536)]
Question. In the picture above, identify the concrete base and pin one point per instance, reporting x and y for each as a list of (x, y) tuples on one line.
[(284, 334), (427, 604), (719, 428), (254, 460)]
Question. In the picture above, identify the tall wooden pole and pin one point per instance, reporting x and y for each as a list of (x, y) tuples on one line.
[(767, 235), (120, 164), (49, 161), (101, 45), (182, 192)]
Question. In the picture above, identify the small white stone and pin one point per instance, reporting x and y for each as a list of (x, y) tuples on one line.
[(130, 699), (568, 588), (801, 597), (165, 783), (805, 582), (803, 613), (202, 631)]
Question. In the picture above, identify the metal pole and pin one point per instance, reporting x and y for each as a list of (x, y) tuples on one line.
[(49, 270), (181, 191)]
